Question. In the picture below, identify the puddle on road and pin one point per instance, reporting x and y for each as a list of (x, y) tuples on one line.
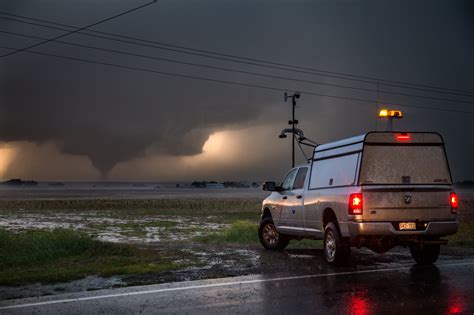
[(301, 256)]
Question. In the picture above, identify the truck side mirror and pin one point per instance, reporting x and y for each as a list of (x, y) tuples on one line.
[(269, 186)]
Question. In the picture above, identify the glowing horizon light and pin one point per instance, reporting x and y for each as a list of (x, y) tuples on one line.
[(215, 143), (220, 148), (7, 153)]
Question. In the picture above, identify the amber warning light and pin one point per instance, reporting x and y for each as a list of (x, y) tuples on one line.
[(390, 113)]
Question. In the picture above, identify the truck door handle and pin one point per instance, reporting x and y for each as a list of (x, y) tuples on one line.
[(299, 197), (284, 197)]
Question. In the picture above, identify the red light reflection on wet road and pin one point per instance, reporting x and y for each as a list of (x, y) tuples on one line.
[(456, 306), (359, 304)]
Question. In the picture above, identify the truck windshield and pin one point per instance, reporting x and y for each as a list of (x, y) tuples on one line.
[(402, 164)]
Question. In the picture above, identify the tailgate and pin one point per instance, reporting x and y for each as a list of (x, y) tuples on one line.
[(407, 204)]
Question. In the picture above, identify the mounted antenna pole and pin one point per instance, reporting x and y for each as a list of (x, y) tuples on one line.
[(292, 122), (296, 133)]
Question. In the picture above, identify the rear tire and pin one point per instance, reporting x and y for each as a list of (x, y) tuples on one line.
[(270, 237), (424, 254), (335, 251)]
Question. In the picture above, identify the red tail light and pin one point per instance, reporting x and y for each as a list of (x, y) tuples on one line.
[(355, 204), (454, 201), (403, 137)]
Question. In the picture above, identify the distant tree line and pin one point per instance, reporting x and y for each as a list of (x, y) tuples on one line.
[(19, 182), (226, 184)]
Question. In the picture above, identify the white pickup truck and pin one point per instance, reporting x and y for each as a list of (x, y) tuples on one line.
[(378, 190)]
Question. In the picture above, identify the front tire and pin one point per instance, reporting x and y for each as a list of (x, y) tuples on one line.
[(335, 251), (424, 254), (270, 237)]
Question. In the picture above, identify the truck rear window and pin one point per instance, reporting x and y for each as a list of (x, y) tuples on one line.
[(402, 164)]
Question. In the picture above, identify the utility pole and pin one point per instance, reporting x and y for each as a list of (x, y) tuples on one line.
[(292, 122)]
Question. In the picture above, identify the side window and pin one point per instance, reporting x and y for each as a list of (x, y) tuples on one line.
[(338, 171), (300, 177), (287, 183)]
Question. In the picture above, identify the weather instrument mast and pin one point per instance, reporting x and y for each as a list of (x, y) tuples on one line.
[(296, 133), (291, 122)]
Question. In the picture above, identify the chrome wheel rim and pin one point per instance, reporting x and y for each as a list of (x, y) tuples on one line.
[(270, 234), (330, 246)]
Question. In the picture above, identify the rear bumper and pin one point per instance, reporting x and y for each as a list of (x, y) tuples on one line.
[(438, 228)]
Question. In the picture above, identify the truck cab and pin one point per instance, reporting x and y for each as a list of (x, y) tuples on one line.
[(378, 190)]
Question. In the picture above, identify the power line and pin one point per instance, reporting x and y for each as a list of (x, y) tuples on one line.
[(231, 82), (312, 71), (235, 71), (77, 30)]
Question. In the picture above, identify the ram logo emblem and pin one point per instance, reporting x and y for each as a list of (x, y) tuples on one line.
[(407, 199)]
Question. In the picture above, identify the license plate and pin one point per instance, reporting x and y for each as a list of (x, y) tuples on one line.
[(407, 226)]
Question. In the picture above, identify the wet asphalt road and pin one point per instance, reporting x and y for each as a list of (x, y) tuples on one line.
[(389, 288)]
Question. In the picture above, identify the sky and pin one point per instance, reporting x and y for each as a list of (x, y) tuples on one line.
[(81, 120)]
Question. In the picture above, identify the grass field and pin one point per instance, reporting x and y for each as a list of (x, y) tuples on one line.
[(59, 240), (137, 220), (185, 206), (239, 232), (62, 255), (464, 236), (245, 233)]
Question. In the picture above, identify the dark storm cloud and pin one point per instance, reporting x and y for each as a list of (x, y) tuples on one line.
[(113, 115), (109, 118)]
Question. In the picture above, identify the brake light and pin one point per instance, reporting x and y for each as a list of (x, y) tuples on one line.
[(355, 204), (403, 137), (454, 201)]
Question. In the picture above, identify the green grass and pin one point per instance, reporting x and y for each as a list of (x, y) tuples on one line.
[(63, 255), (190, 206), (246, 233), (220, 210), (240, 232), (464, 236), (305, 243), (132, 225)]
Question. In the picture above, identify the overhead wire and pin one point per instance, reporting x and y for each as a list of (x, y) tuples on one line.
[(228, 82), (229, 69), (294, 68), (78, 29)]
